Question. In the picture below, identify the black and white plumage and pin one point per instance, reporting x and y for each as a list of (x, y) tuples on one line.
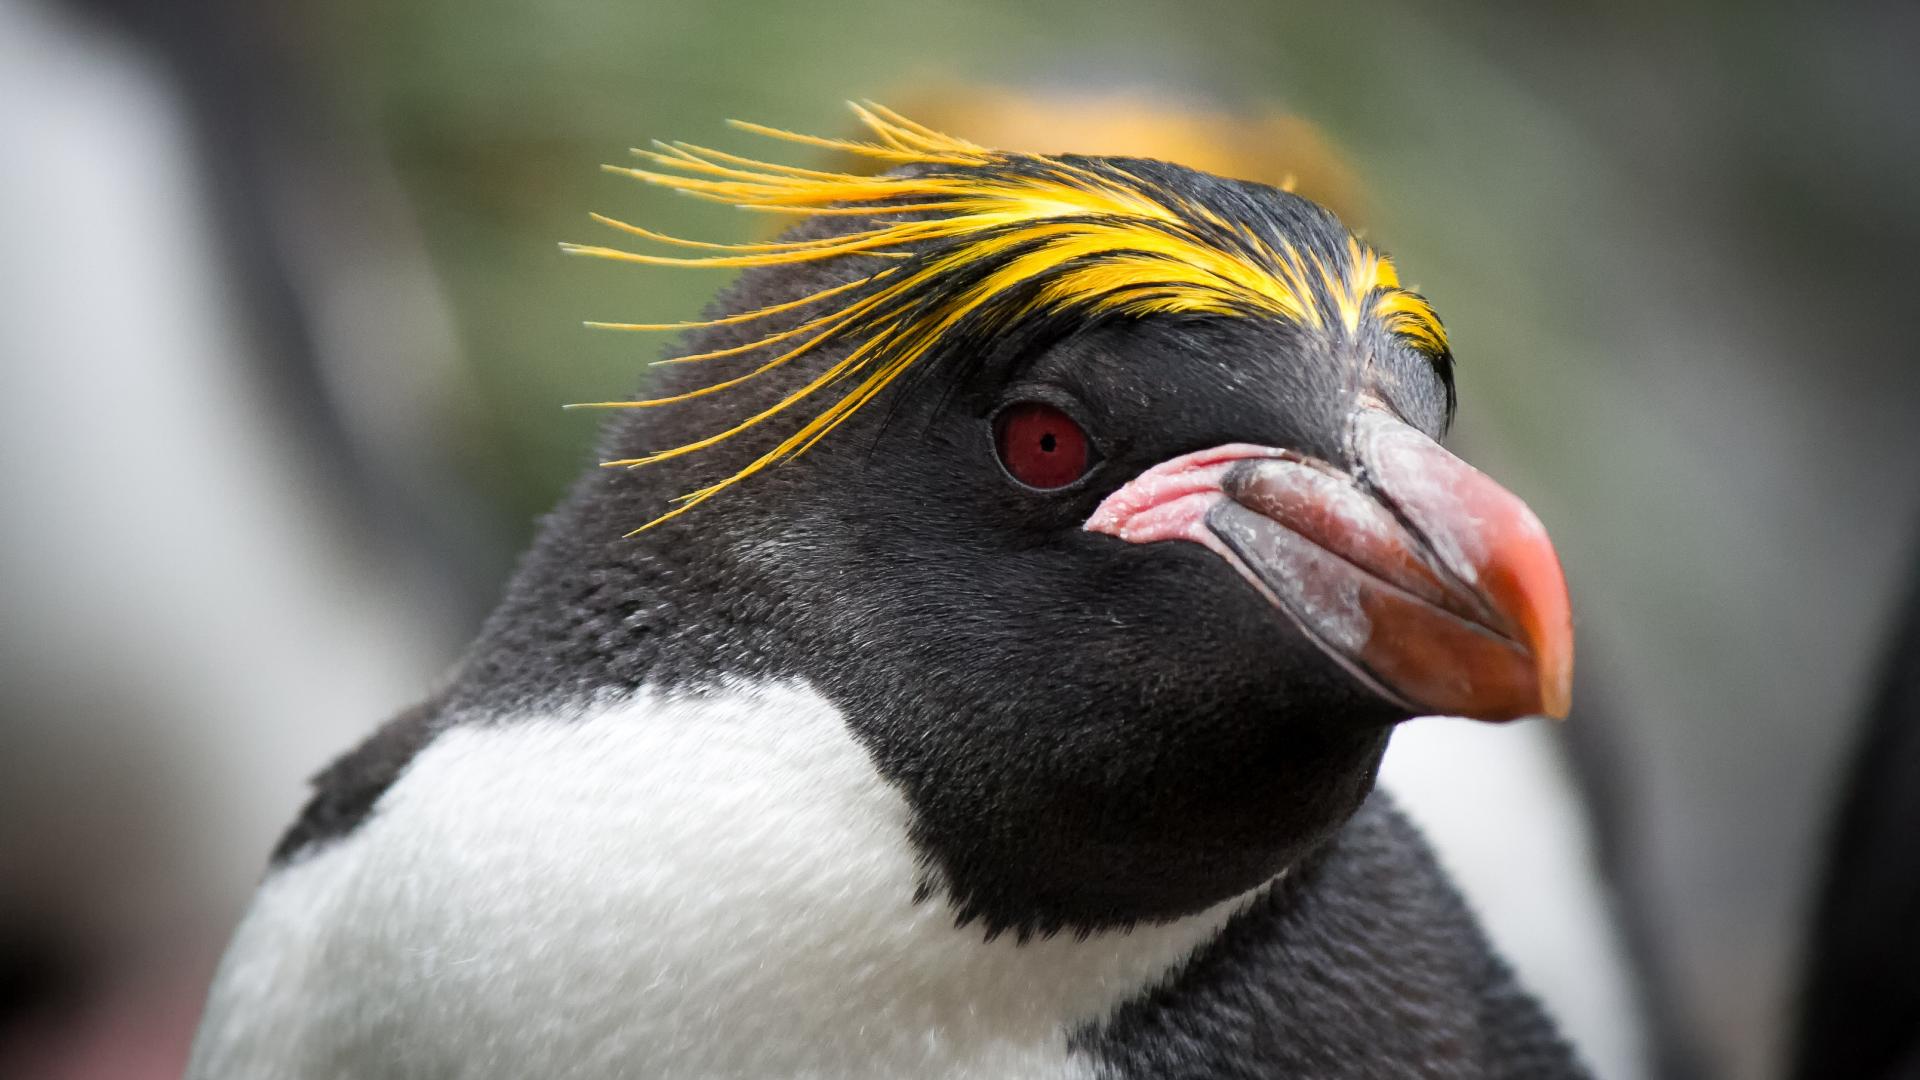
[(884, 762)]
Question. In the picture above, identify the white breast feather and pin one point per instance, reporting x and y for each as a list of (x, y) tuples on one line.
[(698, 886)]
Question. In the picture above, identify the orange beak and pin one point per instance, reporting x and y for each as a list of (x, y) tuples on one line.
[(1425, 579)]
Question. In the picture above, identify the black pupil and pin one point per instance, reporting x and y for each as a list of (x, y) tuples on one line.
[(1047, 443)]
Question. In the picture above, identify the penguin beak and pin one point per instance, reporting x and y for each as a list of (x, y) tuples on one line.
[(1427, 581)]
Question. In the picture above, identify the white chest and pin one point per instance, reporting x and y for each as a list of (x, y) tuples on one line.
[(711, 886)]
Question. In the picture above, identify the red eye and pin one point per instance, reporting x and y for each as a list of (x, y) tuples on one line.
[(1040, 445)]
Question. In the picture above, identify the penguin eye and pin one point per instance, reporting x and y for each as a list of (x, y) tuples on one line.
[(1041, 446)]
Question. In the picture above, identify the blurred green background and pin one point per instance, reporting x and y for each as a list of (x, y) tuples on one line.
[(1671, 244)]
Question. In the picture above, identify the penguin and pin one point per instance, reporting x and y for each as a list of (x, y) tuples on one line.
[(974, 660), (1858, 1007)]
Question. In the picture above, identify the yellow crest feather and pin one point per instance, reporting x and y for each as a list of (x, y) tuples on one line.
[(995, 237)]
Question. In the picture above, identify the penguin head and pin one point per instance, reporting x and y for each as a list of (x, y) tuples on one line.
[(1104, 499)]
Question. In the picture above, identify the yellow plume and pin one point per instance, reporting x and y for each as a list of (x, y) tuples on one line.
[(987, 239)]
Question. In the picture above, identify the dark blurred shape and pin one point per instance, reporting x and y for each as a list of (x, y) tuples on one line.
[(1860, 1001), (307, 214), (61, 1019)]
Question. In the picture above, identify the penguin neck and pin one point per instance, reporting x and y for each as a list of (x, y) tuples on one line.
[(594, 612)]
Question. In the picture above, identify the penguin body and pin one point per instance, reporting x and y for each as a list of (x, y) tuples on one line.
[(1026, 726), (524, 903)]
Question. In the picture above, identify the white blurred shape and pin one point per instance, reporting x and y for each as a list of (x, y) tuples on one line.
[(1502, 813), (165, 547)]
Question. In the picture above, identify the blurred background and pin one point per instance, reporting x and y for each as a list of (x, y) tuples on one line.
[(286, 334)]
